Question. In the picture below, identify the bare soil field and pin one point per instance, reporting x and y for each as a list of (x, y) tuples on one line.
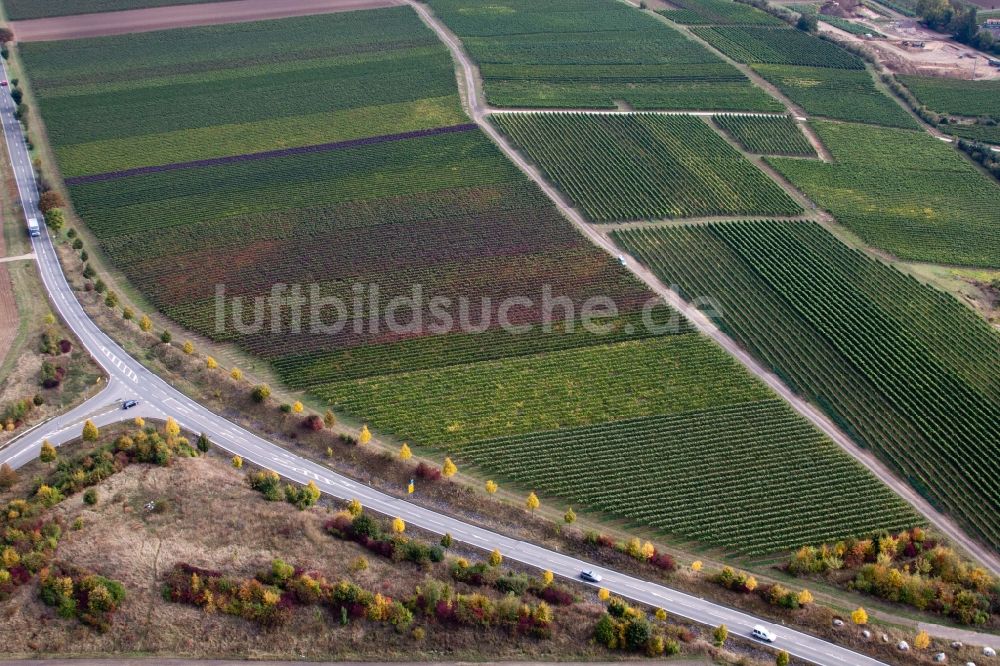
[(939, 56), (180, 16)]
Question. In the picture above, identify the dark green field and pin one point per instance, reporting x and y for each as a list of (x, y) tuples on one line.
[(629, 167), (31, 9), (767, 135), (777, 46), (905, 192), (955, 96), (592, 54), (840, 94), (145, 99), (909, 372)]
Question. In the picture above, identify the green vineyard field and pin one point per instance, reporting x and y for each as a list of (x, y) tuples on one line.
[(152, 98), (19, 10), (908, 371), (840, 94), (592, 54), (668, 471), (975, 132), (905, 192), (777, 46), (767, 135), (717, 12), (453, 406), (644, 166), (955, 96)]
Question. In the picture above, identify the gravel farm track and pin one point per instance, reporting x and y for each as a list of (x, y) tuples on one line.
[(179, 16), (8, 306)]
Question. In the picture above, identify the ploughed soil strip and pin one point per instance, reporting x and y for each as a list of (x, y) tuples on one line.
[(180, 16), (270, 154)]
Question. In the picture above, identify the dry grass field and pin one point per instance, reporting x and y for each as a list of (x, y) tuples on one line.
[(206, 516)]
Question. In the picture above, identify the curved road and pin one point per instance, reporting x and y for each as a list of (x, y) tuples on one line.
[(129, 379)]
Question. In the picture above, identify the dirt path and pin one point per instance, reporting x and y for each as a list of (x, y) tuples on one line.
[(20, 257), (467, 82), (9, 317), (180, 16)]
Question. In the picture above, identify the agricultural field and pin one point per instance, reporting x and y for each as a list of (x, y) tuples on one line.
[(975, 132), (717, 12), (180, 95), (850, 27), (839, 94), (453, 406), (592, 54), (777, 46), (691, 496), (558, 431), (433, 204), (18, 10), (767, 135), (617, 167), (955, 96), (836, 21), (904, 7), (907, 371), (904, 192)]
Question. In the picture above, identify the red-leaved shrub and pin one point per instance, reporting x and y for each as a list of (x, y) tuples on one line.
[(663, 561), (427, 473)]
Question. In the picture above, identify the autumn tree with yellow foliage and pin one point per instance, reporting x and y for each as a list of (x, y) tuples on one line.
[(448, 469), (365, 435), (48, 452), (398, 526)]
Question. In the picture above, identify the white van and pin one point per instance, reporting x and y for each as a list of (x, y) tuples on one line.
[(762, 633)]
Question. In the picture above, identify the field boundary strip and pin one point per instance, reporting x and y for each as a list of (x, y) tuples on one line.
[(150, 19), (270, 154)]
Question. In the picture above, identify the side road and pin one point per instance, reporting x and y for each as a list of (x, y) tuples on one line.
[(479, 112)]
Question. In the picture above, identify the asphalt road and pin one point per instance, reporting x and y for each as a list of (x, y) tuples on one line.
[(129, 379)]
